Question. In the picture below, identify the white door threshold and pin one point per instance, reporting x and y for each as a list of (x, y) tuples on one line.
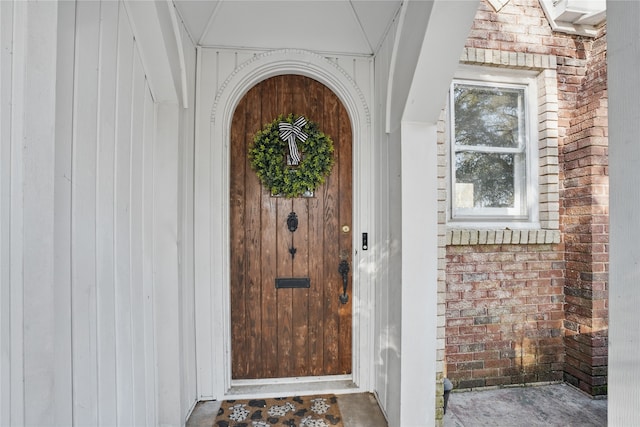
[(295, 386)]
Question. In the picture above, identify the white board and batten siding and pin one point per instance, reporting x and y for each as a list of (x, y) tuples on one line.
[(623, 60), (8, 362), (90, 288)]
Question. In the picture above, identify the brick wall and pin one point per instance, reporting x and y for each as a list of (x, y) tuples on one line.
[(584, 213), (523, 312), (504, 314), (519, 26)]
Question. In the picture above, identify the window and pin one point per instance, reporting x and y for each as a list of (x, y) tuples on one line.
[(492, 150)]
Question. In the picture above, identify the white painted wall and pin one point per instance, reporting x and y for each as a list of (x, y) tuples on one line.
[(186, 163), (6, 31), (388, 232), (623, 57), (96, 311), (418, 61), (35, 303)]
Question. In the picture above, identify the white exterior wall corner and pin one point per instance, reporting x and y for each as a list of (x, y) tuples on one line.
[(421, 361), (398, 89), (387, 185), (186, 233), (419, 275), (623, 52), (169, 59)]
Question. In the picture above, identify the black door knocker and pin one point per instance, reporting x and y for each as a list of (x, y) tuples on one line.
[(292, 222)]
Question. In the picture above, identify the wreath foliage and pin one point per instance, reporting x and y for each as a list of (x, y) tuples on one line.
[(268, 156)]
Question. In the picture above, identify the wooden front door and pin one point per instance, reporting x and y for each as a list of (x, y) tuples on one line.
[(301, 331)]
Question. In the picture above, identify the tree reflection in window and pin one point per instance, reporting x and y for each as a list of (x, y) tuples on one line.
[(489, 145), (491, 176)]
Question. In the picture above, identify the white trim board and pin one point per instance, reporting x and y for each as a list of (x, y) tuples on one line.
[(224, 76)]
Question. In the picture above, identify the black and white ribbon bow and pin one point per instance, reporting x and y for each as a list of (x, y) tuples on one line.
[(289, 132)]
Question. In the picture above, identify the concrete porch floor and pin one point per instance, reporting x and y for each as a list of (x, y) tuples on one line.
[(542, 405)]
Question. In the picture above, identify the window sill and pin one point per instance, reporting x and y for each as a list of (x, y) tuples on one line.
[(457, 236)]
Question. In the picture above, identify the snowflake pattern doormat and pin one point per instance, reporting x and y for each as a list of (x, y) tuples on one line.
[(299, 411)]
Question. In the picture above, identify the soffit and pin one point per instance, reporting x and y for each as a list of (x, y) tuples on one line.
[(582, 17), (355, 27)]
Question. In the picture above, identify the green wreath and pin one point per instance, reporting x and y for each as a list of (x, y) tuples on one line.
[(271, 156)]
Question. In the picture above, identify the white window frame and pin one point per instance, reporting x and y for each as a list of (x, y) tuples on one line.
[(499, 217)]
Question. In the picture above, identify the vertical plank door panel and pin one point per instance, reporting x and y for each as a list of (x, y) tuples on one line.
[(332, 255), (284, 96), (300, 309), (269, 328), (300, 241), (237, 240), (253, 237), (301, 331), (315, 96), (345, 188)]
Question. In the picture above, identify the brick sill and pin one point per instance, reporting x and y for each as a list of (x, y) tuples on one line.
[(457, 236)]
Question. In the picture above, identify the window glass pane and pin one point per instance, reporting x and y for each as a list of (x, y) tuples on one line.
[(488, 116), (485, 180)]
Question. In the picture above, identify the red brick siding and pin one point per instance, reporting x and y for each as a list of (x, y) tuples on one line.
[(584, 216), (520, 26), (504, 314), (525, 313)]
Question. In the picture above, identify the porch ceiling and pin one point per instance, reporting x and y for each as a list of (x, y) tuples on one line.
[(329, 26)]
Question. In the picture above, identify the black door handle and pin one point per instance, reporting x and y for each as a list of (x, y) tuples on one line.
[(343, 269)]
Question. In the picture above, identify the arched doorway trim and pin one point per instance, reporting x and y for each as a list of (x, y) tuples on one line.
[(212, 225)]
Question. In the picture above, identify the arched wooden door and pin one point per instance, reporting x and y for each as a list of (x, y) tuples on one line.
[(301, 331)]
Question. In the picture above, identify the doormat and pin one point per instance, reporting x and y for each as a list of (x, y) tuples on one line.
[(299, 411)]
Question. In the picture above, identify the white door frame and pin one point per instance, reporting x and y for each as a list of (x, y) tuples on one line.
[(212, 258)]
